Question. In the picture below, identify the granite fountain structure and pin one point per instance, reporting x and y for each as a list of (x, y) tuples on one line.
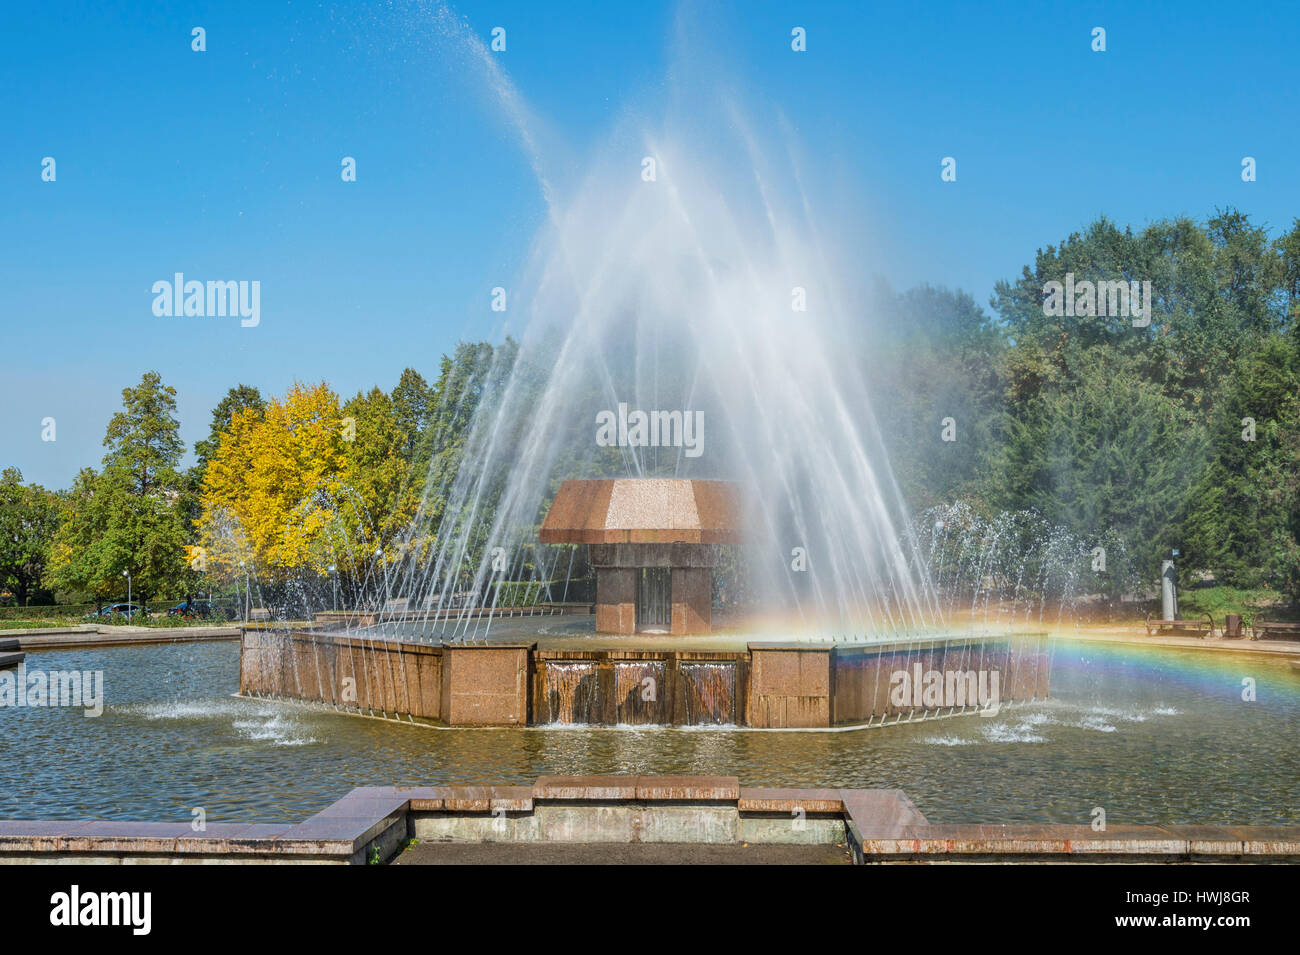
[(682, 336), (645, 653)]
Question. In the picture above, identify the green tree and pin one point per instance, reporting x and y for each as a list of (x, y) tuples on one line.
[(128, 518), (1242, 519), (413, 403), (239, 398), (376, 470), (29, 515), (1108, 424), (939, 355)]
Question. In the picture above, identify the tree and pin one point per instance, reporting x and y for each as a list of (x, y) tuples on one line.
[(939, 355), (1108, 424), (413, 403), (29, 516), (239, 398), (271, 492), (128, 518), (1242, 519), (381, 499), (82, 557)]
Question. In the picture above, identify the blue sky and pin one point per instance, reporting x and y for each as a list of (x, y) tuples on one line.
[(225, 164)]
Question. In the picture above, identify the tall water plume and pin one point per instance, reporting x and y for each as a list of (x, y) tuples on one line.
[(682, 270)]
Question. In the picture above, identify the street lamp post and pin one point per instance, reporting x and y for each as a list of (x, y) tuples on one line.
[(379, 553), (334, 576), (127, 575)]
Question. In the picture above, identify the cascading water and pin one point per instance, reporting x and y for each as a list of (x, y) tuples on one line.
[(709, 693), (571, 693), (638, 689)]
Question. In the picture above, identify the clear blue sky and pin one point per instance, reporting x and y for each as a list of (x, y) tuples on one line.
[(225, 164)]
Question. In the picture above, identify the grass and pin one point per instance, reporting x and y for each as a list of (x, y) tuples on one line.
[(159, 623), (40, 622)]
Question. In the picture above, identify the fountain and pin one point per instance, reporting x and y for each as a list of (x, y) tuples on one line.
[(750, 544), (653, 544)]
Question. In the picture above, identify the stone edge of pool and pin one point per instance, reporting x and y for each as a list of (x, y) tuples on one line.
[(95, 637), (373, 823)]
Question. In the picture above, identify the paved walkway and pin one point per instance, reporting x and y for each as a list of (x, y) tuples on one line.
[(1139, 638)]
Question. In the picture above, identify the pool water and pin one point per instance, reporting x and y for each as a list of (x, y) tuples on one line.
[(1150, 735)]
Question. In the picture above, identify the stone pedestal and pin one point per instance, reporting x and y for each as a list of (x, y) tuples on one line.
[(790, 686), (692, 599), (615, 600), (617, 568), (485, 685)]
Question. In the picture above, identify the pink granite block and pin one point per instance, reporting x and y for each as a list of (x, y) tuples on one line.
[(604, 788), (375, 801), (1209, 840), (788, 800), (880, 811), (512, 798), (425, 798), (711, 788), (1270, 840), (467, 799), (125, 836)]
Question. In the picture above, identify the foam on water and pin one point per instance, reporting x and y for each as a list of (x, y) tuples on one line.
[(277, 730), (215, 709), (1035, 726), (253, 722)]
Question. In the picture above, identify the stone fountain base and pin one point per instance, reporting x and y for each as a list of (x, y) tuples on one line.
[(767, 685)]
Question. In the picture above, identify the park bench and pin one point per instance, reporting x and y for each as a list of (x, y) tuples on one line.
[(259, 613), (1202, 626), (1275, 630)]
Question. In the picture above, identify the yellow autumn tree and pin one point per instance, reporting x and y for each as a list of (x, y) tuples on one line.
[(270, 494)]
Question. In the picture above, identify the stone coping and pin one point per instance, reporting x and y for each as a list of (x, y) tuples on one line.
[(346, 827), (485, 645), (902, 643), (1175, 842), (639, 654), (92, 636), (883, 825)]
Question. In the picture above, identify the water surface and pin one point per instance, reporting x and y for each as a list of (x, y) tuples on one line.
[(1153, 736)]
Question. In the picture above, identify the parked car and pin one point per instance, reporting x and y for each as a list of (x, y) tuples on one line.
[(191, 608), (126, 610)]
